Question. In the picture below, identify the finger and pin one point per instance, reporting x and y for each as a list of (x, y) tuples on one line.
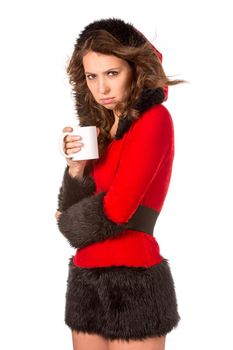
[(71, 138), (67, 129), (70, 145), (73, 150), (57, 214)]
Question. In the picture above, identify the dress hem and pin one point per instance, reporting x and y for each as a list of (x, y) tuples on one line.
[(122, 302)]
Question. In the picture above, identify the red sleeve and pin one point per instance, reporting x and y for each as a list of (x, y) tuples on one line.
[(149, 142)]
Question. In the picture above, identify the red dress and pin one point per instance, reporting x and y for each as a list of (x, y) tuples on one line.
[(134, 170), (119, 286)]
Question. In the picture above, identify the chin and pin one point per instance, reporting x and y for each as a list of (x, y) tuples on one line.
[(109, 107)]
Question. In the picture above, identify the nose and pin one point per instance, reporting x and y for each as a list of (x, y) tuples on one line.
[(103, 86)]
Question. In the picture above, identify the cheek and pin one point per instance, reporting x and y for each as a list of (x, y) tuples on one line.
[(125, 86), (91, 88)]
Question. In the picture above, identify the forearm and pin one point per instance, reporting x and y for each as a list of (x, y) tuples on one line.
[(85, 222), (74, 173), (75, 186)]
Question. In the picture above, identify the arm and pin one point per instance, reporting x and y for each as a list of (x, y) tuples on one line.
[(74, 189), (104, 215)]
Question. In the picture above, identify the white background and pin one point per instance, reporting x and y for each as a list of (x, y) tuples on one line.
[(195, 227)]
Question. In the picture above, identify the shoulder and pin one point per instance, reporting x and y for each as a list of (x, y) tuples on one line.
[(157, 117)]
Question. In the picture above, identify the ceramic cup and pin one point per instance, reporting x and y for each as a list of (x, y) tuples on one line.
[(89, 150)]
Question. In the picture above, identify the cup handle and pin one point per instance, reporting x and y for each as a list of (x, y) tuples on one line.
[(61, 144)]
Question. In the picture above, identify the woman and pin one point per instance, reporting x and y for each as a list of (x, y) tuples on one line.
[(120, 291)]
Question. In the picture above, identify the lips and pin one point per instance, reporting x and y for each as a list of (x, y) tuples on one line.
[(107, 100)]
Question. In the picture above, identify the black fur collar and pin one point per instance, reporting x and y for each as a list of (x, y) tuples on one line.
[(148, 98)]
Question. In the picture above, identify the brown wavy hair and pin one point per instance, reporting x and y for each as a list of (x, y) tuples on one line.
[(147, 73)]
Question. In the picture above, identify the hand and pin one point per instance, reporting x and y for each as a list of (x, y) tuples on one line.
[(72, 145), (57, 214)]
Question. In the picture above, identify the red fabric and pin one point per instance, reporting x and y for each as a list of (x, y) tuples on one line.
[(130, 248), (133, 170)]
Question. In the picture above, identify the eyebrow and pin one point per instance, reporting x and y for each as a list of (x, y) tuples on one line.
[(105, 71)]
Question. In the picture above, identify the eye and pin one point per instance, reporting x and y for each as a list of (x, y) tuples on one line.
[(112, 73), (90, 76)]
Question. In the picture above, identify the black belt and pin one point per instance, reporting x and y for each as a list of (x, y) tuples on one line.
[(143, 219)]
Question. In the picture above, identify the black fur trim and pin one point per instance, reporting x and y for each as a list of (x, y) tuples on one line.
[(121, 302), (123, 126), (85, 222), (126, 33), (148, 98), (74, 189)]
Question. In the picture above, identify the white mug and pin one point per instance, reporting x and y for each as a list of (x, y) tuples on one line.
[(89, 150)]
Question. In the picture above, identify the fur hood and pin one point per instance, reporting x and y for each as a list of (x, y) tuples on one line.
[(128, 35)]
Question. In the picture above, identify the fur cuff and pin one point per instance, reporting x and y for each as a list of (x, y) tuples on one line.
[(74, 189), (85, 222)]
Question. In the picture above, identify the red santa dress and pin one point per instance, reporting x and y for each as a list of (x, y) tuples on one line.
[(119, 285)]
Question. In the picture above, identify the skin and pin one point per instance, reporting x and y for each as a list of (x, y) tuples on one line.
[(84, 341), (106, 76)]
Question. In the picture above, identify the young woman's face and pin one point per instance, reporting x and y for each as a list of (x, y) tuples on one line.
[(108, 78)]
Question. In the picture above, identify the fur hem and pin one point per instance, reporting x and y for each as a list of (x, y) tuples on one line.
[(74, 189), (122, 302), (85, 222)]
